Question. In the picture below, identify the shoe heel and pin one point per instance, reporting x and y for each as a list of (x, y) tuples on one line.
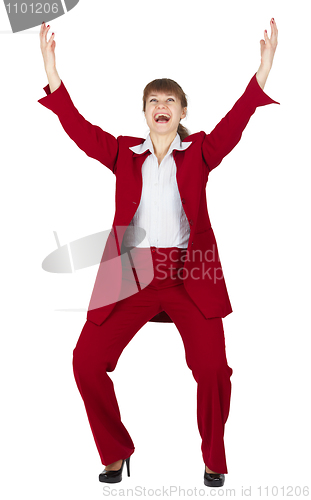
[(128, 465)]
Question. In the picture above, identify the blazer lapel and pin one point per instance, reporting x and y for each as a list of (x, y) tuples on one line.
[(138, 160)]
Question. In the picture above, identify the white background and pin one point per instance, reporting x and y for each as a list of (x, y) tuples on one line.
[(258, 199)]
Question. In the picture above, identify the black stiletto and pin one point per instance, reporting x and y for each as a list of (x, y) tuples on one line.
[(114, 476), (213, 479)]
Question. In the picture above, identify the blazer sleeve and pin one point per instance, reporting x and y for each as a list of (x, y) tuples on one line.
[(227, 133), (96, 143)]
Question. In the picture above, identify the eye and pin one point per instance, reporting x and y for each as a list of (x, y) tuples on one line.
[(152, 99), (171, 99)]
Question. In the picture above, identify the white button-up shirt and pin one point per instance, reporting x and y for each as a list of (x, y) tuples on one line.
[(160, 212)]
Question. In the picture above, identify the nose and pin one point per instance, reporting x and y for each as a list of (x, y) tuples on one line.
[(161, 105)]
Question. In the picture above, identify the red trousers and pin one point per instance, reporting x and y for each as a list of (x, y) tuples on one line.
[(99, 348)]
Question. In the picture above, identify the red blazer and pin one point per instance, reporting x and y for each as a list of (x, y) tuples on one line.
[(203, 279)]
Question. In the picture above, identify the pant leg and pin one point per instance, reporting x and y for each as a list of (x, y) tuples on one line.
[(96, 353), (205, 352)]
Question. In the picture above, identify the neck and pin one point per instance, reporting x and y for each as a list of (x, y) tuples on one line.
[(161, 143)]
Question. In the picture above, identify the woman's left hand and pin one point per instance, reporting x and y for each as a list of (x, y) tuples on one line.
[(268, 45)]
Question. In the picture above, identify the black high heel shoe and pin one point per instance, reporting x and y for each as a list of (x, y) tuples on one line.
[(213, 479), (114, 476)]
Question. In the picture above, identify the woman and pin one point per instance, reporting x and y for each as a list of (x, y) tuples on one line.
[(160, 188)]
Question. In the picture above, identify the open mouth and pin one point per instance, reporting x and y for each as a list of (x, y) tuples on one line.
[(162, 118)]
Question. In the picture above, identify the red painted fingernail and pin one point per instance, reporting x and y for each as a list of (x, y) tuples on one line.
[(52, 33), (48, 26), (265, 31)]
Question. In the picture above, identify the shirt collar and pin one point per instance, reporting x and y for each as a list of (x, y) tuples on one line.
[(147, 144)]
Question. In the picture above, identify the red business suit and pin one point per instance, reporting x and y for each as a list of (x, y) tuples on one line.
[(198, 319), (193, 167)]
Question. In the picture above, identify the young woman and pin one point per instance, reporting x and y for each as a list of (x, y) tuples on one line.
[(160, 188)]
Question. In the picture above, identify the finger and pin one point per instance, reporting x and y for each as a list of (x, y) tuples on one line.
[(267, 40), (51, 38), (273, 26), (42, 29), (273, 23), (46, 33), (274, 31), (274, 34)]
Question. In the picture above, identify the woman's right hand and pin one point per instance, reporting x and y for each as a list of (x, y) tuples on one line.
[(47, 48)]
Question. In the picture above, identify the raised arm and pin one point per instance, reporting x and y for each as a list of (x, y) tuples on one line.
[(227, 133), (96, 143)]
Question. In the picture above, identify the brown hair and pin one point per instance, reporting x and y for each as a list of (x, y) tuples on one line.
[(170, 87)]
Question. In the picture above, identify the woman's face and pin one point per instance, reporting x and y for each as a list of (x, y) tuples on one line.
[(163, 113)]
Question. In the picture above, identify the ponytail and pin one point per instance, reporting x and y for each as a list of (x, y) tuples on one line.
[(182, 131)]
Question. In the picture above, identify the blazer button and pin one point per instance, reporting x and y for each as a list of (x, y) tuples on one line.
[(191, 222), (183, 200)]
